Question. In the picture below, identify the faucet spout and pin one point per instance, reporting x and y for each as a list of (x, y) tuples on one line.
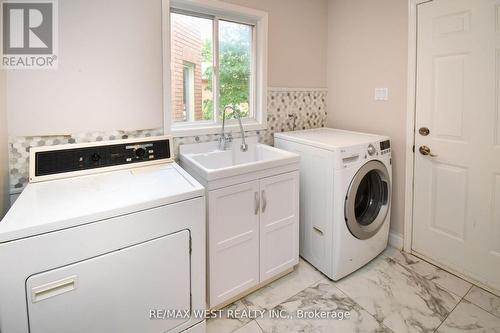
[(243, 146)]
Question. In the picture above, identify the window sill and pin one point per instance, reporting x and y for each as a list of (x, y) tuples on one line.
[(216, 129)]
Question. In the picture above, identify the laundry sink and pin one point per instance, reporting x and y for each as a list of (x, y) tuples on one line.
[(210, 162)]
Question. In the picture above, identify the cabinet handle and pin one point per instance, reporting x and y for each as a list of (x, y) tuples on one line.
[(257, 203), (264, 201)]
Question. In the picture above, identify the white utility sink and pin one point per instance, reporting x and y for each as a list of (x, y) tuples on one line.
[(209, 162)]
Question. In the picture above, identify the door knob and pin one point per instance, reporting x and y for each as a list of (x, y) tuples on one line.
[(424, 131), (426, 151)]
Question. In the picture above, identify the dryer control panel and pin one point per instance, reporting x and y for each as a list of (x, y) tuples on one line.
[(57, 160)]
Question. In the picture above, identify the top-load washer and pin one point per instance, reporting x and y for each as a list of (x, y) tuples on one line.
[(345, 196), (105, 238)]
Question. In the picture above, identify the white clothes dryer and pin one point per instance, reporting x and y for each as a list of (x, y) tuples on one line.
[(104, 238)]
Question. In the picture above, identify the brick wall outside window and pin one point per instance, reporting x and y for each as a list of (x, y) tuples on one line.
[(186, 46)]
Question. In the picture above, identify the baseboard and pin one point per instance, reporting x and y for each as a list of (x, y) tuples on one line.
[(396, 240)]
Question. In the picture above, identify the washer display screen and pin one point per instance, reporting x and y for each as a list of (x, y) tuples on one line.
[(385, 145)]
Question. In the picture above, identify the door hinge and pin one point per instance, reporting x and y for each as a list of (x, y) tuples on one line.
[(413, 148), (190, 245)]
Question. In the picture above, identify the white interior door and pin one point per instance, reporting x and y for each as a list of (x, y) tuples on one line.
[(456, 218)]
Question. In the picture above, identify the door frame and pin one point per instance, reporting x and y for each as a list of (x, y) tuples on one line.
[(410, 143), (410, 122)]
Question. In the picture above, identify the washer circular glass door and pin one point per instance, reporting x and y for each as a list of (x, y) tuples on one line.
[(368, 200)]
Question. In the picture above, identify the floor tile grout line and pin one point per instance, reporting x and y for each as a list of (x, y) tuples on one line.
[(261, 329), (405, 267), (397, 262), (242, 303), (426, 276), (249, 324), (248, 310), (449, 313), (430, 280), (479, 306), (442, 269), (461, 298), (309, 286), (446, 289), (264, 308), (369, 313), (423, 276), (333, 283), (456, 305)]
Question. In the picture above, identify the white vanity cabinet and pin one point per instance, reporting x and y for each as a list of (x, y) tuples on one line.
[(252, 214), (253, 234)]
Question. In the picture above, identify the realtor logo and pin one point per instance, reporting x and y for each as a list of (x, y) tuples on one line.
[(29, 34)]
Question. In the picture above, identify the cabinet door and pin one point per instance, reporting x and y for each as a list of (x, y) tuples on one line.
[(279, 224), (233, 238)]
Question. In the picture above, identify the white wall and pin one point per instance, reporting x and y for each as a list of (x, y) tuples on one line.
[(4, 160), (297, 41), (110, 68), (109, 75), (367, 48)]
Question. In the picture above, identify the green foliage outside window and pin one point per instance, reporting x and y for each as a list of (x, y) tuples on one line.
[(234, 70)]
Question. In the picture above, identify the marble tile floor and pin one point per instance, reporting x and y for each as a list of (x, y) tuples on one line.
[(396, 292)]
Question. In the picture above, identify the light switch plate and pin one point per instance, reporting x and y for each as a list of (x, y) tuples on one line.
[(381, 94)]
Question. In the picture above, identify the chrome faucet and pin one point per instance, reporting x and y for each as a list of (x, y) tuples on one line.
[(225, 138), (244, 146)]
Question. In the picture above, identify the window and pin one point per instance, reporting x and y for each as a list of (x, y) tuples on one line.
[(216, 61)]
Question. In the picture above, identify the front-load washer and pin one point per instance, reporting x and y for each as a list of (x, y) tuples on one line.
[(345, 196), (106, 237)]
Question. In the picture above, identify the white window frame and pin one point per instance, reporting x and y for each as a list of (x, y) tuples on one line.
[(258, 87), (190, 92)]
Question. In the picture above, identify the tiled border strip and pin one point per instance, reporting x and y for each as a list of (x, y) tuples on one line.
[(288, 109)]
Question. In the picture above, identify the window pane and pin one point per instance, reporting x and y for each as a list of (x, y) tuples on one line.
[(235, 54), (192, 66)]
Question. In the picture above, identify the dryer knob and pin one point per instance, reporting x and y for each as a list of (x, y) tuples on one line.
[(371, 150), (95, 157)]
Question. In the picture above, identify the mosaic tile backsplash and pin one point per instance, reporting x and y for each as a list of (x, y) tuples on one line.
[(287, 110)]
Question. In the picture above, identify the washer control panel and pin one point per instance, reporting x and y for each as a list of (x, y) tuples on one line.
[(385, 147), (51, 162)]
